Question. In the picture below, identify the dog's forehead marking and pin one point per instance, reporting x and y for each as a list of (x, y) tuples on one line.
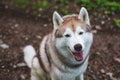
[(67, 31), (72, 21)]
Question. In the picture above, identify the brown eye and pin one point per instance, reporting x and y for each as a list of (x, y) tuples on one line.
[(80, 33), (67, 35)]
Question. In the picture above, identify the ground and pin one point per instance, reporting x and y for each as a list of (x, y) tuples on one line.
[(18, 29)]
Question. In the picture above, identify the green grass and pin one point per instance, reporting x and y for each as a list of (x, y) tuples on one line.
[(105, 5), (62, 2), (117, 22), (21, 3)]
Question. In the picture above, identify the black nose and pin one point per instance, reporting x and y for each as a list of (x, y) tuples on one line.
[(78, 47)]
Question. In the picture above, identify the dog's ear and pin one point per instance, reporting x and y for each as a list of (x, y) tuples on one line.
[(57, 20), (83, 15)]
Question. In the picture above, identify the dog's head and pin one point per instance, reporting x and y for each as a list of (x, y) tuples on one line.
[(73, 35)]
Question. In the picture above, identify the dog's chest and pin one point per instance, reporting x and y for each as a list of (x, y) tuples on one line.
[(68, 75)]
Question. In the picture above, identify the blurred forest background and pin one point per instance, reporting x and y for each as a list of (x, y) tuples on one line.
[(24, 22)]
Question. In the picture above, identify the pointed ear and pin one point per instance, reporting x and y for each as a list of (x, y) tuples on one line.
[(57, 20), (83, 15)]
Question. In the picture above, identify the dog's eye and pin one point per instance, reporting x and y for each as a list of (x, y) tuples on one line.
[(67, 35), (80, 33)]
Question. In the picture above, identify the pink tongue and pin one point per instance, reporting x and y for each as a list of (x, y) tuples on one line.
[(78, 56)]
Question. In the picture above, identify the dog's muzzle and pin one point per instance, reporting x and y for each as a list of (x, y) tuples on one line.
[(78, 53)]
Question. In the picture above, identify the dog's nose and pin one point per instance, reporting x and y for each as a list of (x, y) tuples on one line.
[(78, 47)]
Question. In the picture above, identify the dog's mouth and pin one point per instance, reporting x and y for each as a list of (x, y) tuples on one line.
[(78, 55)]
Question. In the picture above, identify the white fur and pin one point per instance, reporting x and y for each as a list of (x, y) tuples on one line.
[(43, 54), (84, 14), (29, 53), (75, 38), (57, 20)]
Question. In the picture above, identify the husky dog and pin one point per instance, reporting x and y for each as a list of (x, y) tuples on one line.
[(63, 53)]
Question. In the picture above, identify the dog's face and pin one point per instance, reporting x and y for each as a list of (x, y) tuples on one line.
[(73, 35)]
